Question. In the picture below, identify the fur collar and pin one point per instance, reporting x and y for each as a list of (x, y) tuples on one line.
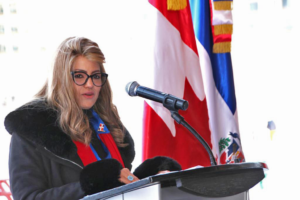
[(36, 122)]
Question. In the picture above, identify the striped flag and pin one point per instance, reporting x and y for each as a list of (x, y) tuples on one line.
[(212, 21), (177, 71)]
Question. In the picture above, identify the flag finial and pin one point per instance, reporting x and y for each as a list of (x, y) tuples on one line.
[(177, 4)]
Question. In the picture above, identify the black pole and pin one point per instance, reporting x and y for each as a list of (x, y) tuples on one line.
[(180, 120)]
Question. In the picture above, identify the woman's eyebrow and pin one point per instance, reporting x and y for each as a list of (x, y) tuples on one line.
[(81, 70), (98, 71)]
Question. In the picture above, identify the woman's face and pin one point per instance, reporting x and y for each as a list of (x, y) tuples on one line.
[(87, 94)]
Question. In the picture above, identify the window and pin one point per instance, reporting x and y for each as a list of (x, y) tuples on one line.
[(15, 48), (285, 3), (14, 29), (13, 8), (2, 48), (1, 10), (254, 6), (1, 29)]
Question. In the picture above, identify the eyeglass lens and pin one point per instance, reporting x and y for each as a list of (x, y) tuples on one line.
[(98, 79)]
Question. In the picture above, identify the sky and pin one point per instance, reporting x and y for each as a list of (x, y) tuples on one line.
[(265, 50)]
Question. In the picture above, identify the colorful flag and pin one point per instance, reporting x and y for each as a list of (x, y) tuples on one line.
[(177, 71), (212, 21)]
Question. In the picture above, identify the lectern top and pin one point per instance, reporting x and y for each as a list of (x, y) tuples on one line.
[(213, 181)]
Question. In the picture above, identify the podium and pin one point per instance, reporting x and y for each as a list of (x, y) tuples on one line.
[(222, 182)]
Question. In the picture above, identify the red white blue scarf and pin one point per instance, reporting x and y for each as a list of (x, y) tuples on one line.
[(88, 154)]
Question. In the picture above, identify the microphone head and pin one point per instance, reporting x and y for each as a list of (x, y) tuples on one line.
[(131, 88)]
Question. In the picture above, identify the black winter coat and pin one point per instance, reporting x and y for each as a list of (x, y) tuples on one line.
[(43, 160)]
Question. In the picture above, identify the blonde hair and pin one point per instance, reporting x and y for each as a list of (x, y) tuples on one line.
[(59, 93)]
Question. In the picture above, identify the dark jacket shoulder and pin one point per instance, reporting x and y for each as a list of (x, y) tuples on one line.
[(37, 122)]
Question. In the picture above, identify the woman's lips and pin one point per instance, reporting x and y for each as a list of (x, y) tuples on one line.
[(88, 95)]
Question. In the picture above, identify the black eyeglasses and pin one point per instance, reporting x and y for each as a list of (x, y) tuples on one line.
[(80, 78)]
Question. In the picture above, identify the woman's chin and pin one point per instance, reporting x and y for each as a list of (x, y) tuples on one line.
[(86, 106)]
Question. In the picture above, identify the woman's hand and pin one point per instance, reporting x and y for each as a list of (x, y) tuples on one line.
[(127, 177)]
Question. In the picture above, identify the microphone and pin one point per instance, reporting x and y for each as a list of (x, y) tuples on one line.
[(169, 101)]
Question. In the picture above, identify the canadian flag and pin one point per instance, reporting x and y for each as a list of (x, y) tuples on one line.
[(177, 71)]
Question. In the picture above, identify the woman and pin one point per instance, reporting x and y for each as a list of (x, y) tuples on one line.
[(70, 141)]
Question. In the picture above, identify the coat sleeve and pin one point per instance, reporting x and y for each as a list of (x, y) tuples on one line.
[(27, 177), (127, 152)]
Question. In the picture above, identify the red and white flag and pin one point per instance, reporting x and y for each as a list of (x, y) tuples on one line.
[(177, 72)]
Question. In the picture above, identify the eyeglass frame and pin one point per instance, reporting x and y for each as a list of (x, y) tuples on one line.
[(88, 76)]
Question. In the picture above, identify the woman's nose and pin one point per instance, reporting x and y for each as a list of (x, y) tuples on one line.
[(89, 83)]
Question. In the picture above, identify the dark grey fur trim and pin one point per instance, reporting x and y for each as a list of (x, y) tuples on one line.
[(152, 166), (37, 122), (101, 175)]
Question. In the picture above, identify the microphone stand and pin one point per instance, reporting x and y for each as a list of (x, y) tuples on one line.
[(180, 120)]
